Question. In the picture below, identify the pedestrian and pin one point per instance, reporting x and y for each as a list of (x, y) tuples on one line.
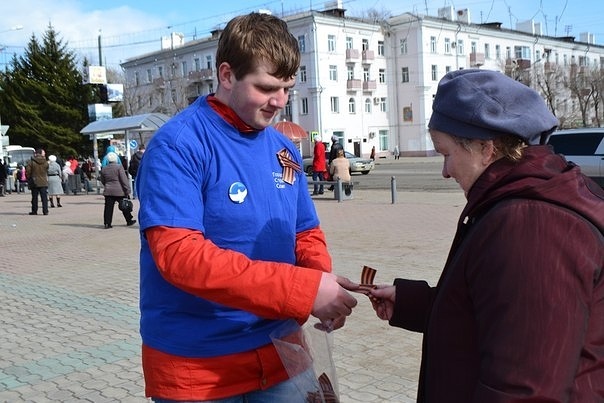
[(319, 166), (372, 155), (55, 181), (396, 152), (116, 188), (333, 152), (133, 167), (21, 179), (3, 176), (340, 169), (518, 312), (37, 171), (231, 246), (66, 172)]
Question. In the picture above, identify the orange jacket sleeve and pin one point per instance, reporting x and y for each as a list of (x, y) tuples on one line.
[(273, 290)]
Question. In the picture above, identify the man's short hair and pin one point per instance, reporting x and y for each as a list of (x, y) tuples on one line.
[(248, 40)]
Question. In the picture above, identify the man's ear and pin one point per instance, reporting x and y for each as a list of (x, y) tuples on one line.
[(225, 76)]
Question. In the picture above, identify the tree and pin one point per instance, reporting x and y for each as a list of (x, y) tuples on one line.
[(43, 98)]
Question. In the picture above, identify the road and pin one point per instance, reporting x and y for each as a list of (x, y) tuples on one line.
[(410, 173)]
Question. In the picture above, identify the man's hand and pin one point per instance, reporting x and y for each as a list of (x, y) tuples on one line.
[(333, 303)]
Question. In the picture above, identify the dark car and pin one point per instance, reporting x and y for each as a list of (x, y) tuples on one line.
[(357, 164)]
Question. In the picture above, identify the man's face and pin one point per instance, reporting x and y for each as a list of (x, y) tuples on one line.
[(258, 97)]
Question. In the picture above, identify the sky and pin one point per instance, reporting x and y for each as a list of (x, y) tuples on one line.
[(129, 28)]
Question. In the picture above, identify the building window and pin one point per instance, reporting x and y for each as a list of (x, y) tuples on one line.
[(460, 49), (302, 43), (508, 52), (335, 104), (522, 52), (137, 80), (302, 74), (304, 102), (434, 72), (331, 43), (149, 76), (403, 46), (447, 69), (383, 136), (209, 62), (381, 48), (365, 44), (333, 72), (405, 75), (183, 69), (351, 106), (383, 104), (287, 111), (160, 71), (487, 51), (432, 44), (197, 62), (382, 75), (366, 76), (350, 72), (447, 46), (349, 43), (497, 52), (368, 105), (473, 47)]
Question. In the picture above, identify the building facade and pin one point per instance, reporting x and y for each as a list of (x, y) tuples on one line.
[(371, 84)]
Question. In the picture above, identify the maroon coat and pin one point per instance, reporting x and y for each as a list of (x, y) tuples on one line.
[(518, 313)]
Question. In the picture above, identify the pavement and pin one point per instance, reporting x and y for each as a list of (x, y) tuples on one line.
[(69, 295)]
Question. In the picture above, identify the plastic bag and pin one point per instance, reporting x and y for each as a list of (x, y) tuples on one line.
[(306, 355)]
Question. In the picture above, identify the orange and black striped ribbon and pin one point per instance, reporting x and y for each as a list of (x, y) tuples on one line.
[(289, 166)]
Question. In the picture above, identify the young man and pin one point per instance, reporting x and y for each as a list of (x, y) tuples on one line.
[(231, 246)]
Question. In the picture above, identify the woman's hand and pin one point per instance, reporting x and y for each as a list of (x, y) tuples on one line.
[(383, 300)]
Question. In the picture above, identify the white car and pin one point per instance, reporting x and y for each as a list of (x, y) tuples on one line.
[(357, 164)]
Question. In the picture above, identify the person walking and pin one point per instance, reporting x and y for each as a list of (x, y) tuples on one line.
[(319, 166), (333, 152), (372, 155), (517, 314), (133, 166), (116, 188), (37, 171), (232, 252), (396, 152), (55, 181)]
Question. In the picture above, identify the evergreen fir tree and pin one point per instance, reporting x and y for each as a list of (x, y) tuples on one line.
[(43, 98)]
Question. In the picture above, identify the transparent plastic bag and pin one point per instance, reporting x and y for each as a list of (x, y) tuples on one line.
[(306, 355)]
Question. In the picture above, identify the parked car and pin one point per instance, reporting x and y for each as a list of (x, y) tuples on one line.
[(584, 147), (357, 164)]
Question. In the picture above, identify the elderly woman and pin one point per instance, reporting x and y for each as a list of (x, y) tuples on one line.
[(518, 313), (116, 187), (55, 181)]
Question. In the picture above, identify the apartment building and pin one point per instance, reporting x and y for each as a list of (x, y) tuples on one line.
[(372, 83)]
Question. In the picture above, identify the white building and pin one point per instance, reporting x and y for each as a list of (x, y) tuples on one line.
[(372, 84)]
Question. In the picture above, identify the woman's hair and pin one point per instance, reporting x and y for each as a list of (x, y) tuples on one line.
[(507, 146), (248, 40), (340, 153)]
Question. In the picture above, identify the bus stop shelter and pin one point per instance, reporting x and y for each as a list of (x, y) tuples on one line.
[(128, 125)]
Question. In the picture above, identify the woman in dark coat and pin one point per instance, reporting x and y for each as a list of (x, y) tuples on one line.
[(116, 188), (518, 312)]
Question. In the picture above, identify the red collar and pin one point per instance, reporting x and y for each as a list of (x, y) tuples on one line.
[(229, 115)]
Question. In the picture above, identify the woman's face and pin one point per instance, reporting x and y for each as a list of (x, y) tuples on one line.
[(460, 163)]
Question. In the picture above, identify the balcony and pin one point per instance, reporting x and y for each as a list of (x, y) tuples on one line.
[(353, 85), (523, 64), (476, 59), (368, 56), (369, 85), (352, 55), (201, 75)]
